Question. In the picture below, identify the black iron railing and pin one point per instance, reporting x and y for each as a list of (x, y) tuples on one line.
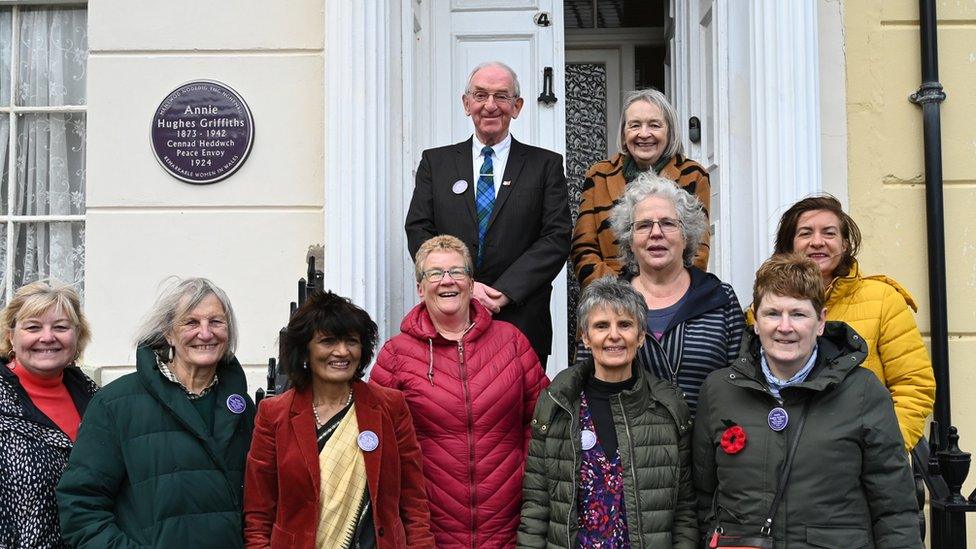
[(277, 379)]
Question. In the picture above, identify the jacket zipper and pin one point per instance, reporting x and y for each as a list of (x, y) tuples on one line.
[(672, 372), (633, 471), (470, 428), (574, 425)]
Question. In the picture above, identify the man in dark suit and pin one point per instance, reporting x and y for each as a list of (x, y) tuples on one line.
[(506, 200)]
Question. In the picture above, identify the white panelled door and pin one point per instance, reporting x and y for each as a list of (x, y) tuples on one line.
[(698, 79), (452, 37)]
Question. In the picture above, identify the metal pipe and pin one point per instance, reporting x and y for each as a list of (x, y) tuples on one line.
[(929, 96)]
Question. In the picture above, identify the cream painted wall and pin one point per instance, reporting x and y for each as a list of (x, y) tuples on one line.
[(833, 118), (885, 162), (249, 233)]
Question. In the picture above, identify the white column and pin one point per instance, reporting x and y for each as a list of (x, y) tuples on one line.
[(785, 114), (363, 153)]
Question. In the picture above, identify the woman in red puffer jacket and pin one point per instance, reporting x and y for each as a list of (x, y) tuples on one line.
[(471, 384)]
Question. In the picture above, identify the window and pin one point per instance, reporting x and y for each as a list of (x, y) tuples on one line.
[(43, 62)]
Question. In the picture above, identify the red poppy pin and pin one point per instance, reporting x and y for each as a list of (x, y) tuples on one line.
[(733, 439)]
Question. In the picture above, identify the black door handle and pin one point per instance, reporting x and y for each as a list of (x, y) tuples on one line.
[(547, 97)]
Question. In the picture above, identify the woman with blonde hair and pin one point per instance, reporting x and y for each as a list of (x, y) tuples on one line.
[(471, 383), (43, 395)]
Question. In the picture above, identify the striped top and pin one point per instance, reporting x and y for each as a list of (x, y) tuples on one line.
[(703, 336)]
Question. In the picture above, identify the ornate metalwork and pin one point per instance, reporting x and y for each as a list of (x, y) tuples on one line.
[(586, 143)]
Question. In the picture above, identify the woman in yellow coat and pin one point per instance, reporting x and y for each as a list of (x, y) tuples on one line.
[(876, 306)]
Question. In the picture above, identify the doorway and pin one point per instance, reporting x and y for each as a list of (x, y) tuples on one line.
[(612, 47)]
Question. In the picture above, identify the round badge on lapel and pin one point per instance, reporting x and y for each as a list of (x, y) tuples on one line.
[(236, 403), (368, 441), (459, 186), (778, 419), (587, 439)]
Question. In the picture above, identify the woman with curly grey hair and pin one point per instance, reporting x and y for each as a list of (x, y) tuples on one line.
[(694, 323), (650, 144), (160, 456)]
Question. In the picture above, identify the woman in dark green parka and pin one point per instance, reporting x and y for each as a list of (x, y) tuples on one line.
[(610, 457), (850, 484), (159, 459)]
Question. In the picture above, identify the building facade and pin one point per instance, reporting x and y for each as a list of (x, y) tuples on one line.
[(789, 98)]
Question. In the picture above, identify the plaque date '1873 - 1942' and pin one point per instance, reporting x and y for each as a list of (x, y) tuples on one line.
[(202, 132)]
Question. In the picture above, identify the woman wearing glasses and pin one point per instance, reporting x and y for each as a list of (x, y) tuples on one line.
[(694, 322), (649, 143), (471, 384)]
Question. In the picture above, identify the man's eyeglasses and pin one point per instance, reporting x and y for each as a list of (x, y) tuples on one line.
[(482, 97), (645, 226), (436, 275)]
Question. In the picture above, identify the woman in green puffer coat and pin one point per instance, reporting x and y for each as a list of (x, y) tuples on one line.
[(609, 460), (159, 460)]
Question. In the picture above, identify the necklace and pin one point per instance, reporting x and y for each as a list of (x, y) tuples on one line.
[(315, 412), (459, 333)]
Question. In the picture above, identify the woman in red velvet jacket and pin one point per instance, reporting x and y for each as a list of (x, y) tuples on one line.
[(471, 383), (334, 462)]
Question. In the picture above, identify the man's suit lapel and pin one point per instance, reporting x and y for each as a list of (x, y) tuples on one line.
[(464, 163), (516, 159)]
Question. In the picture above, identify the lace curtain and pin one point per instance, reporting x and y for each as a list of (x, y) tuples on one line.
[(48, 172)]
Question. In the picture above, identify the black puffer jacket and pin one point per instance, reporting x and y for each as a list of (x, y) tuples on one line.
[(33, 454), (850, 485), (654, 430)]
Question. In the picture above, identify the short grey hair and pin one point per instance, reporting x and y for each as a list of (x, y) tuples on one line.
[(691, 213), (498, 65), (612, 293), (176, 301), (654, 97)]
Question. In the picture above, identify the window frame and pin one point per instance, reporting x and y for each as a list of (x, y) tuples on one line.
[(13, 111)]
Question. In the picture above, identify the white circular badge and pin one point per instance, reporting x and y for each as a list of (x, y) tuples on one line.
[(459, 186), (368, 441), (587, 439)]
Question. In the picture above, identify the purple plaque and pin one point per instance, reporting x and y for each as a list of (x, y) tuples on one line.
[(202, 132)]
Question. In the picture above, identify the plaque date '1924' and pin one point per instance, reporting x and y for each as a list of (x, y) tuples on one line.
[(202, 132)]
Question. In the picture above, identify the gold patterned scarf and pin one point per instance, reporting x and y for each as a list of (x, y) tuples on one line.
[(343, 485)]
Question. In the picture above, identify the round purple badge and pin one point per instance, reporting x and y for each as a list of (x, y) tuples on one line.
[(459, 186), (587, 439), (236, 403), (368, 441), (778, 419), (202, 132)]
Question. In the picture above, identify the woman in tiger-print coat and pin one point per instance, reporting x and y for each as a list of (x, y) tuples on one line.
[(649, 140)]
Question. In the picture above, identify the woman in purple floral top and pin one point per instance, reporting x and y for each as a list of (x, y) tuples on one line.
[(604, 432)]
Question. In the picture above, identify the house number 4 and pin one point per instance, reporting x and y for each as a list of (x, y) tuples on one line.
[(542, 19)]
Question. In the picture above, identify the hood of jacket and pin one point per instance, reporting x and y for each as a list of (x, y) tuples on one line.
[(843, 286), (704, 294), (839, 351)]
